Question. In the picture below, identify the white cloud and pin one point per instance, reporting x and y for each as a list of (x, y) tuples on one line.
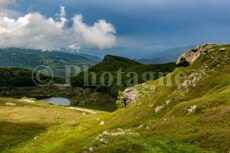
[(39, 32), (100, 34), (75, 48)]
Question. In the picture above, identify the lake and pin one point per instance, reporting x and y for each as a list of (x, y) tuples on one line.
[(58, 101)]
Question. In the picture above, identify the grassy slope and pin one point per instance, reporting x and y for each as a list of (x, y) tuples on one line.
[(27, 118), (140, 129)]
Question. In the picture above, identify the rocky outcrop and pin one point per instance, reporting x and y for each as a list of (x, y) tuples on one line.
[(191, 56), (130, 95)]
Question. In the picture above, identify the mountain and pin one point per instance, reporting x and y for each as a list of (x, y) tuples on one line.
[(129, 70), (57, 61), (167, 56)]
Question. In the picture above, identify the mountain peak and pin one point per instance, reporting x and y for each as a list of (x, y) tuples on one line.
[(112, 58)]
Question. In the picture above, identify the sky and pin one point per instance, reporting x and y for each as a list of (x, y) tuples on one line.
[(133, 28)]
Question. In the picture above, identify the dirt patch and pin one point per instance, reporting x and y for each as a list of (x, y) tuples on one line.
[(10, 104), (215, 114), (27, 101)]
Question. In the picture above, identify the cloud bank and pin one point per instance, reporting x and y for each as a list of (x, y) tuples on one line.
[(39, 32)]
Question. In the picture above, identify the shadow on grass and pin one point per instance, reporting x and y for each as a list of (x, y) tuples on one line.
[(12, 134)]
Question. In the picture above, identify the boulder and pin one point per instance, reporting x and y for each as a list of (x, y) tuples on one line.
[(191, 56), (130, 95), (192, 109), (222, 49)]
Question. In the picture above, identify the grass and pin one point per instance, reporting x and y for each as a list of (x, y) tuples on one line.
[(139, 128), (24, 121)]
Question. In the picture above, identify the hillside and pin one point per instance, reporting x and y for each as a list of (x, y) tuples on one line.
[(189, 114), (30, 59), (114, 64), (17, 77)]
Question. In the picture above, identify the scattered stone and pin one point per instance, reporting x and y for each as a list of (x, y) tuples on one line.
[(140, 126), (103, 141), (193, 79), (27, 100), (10, 104), (167, 102), (105, 132), (222, 49), (102, 123), (91, 149), (118, 133), (192, 109), (159, 108)]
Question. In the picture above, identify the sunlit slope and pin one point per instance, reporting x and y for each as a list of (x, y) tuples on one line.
[(21, 120), (190, 115)]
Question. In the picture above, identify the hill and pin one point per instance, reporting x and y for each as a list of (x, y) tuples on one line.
[(30, 59), (123, 73)]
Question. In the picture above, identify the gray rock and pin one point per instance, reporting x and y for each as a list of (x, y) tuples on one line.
[(191, 56), (222, 49), (159, 108), (130, 95), (191, 109)]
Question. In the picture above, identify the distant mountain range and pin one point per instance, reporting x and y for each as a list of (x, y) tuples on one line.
[(57, 61), (167, 56)]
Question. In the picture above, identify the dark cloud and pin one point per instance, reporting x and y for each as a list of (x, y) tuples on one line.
[(149, 23)]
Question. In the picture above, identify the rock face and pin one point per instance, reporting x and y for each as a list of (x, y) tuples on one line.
[(191, 56), (130, 95)]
